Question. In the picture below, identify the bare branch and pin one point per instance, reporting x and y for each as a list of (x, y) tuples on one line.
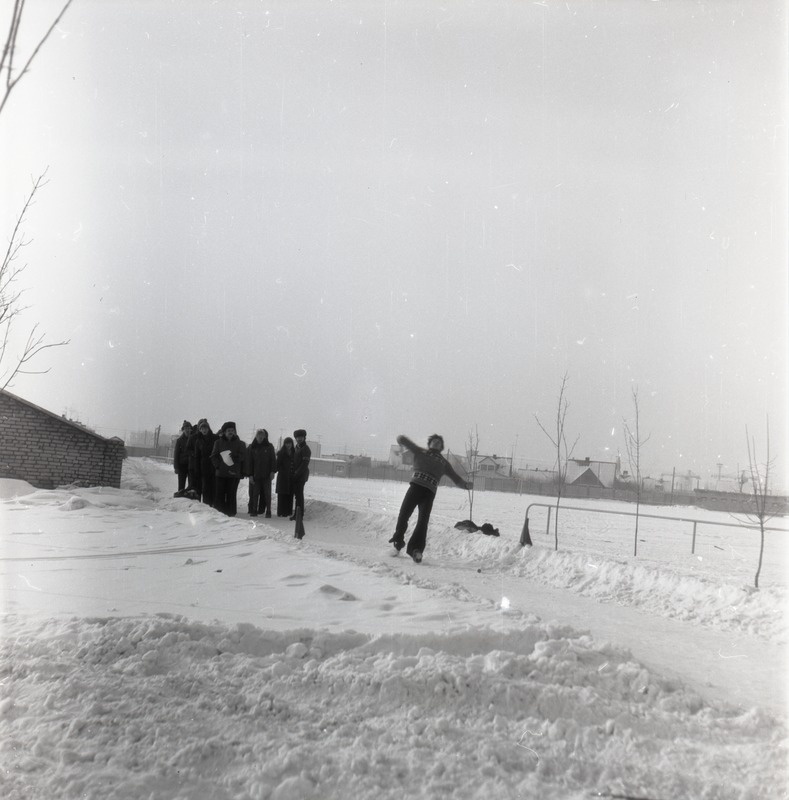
[(33, 347), (563, 453), (16, 243), (10, 306), (760, 492), (9, 50), (10, 42)]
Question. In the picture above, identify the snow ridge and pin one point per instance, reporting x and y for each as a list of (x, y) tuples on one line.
[(167, 708)]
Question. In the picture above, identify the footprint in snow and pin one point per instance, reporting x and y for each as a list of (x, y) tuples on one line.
[(339, 594)]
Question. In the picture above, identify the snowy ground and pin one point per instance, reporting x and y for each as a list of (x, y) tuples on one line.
[(152, 648)]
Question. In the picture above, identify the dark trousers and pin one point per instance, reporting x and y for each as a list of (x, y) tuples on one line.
[(421, 498), (225, 498), (207, 486), (182, 476), (260, 497), (284, 504), (298, 492)]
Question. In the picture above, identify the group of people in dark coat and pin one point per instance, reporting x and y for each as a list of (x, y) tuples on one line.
[(210, 467)]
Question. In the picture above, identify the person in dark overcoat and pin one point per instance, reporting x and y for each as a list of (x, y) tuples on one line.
[(228, 457), (206, 474), (301, 469), (285, 478), (181, 457), (194, 474), (260, 467)]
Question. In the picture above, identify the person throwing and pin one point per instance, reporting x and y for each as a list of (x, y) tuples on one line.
[(429, 467)]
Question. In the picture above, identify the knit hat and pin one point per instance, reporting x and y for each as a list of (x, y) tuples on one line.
[(186, 424), (300, 432)]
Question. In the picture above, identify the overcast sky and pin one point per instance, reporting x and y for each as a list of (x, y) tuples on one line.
[(369, 218)]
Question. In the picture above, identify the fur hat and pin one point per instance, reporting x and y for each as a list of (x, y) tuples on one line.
[(299, 432), (226, 425)]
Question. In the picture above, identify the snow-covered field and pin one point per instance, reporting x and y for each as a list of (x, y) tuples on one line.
[(152, 648)]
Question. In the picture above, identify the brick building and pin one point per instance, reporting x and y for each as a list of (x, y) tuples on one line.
[(46, 450)]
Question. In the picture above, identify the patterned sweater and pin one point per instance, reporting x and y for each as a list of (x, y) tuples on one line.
[(429, 466)]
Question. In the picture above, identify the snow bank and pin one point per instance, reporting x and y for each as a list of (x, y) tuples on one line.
[(162, 707), (11, 488), (661, 591)]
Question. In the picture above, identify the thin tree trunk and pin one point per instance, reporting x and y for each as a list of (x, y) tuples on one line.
[(761, 554)]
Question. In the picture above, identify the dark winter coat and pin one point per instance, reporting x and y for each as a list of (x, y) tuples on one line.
[(191, 454), (301, 463), (203, 448), (181, 454), (238, 452), (285, 471), (261, 461)]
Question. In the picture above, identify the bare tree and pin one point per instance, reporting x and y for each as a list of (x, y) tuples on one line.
[(472, 460), (558, 439), (11, 307), (18, 363), (10, 73), (634, 441), (759, 474)]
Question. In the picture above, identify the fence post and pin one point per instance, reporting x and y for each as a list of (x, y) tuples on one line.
[(693, 543), (548, 524)]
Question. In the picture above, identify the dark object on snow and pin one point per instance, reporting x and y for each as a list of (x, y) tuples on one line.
[(525, 536), (299, 517), (189, 494), (471, 527)]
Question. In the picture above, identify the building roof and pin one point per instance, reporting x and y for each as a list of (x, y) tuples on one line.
[(591, 473), (61, 419)]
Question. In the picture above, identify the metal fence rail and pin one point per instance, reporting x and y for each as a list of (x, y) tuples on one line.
[(526, 538)]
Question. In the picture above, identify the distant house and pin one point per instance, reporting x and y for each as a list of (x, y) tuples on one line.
[(494, 466), (335, 467), (48, 450), (356, 461), (586, 472)]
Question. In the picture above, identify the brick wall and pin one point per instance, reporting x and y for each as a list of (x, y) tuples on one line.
[(47, 451)]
